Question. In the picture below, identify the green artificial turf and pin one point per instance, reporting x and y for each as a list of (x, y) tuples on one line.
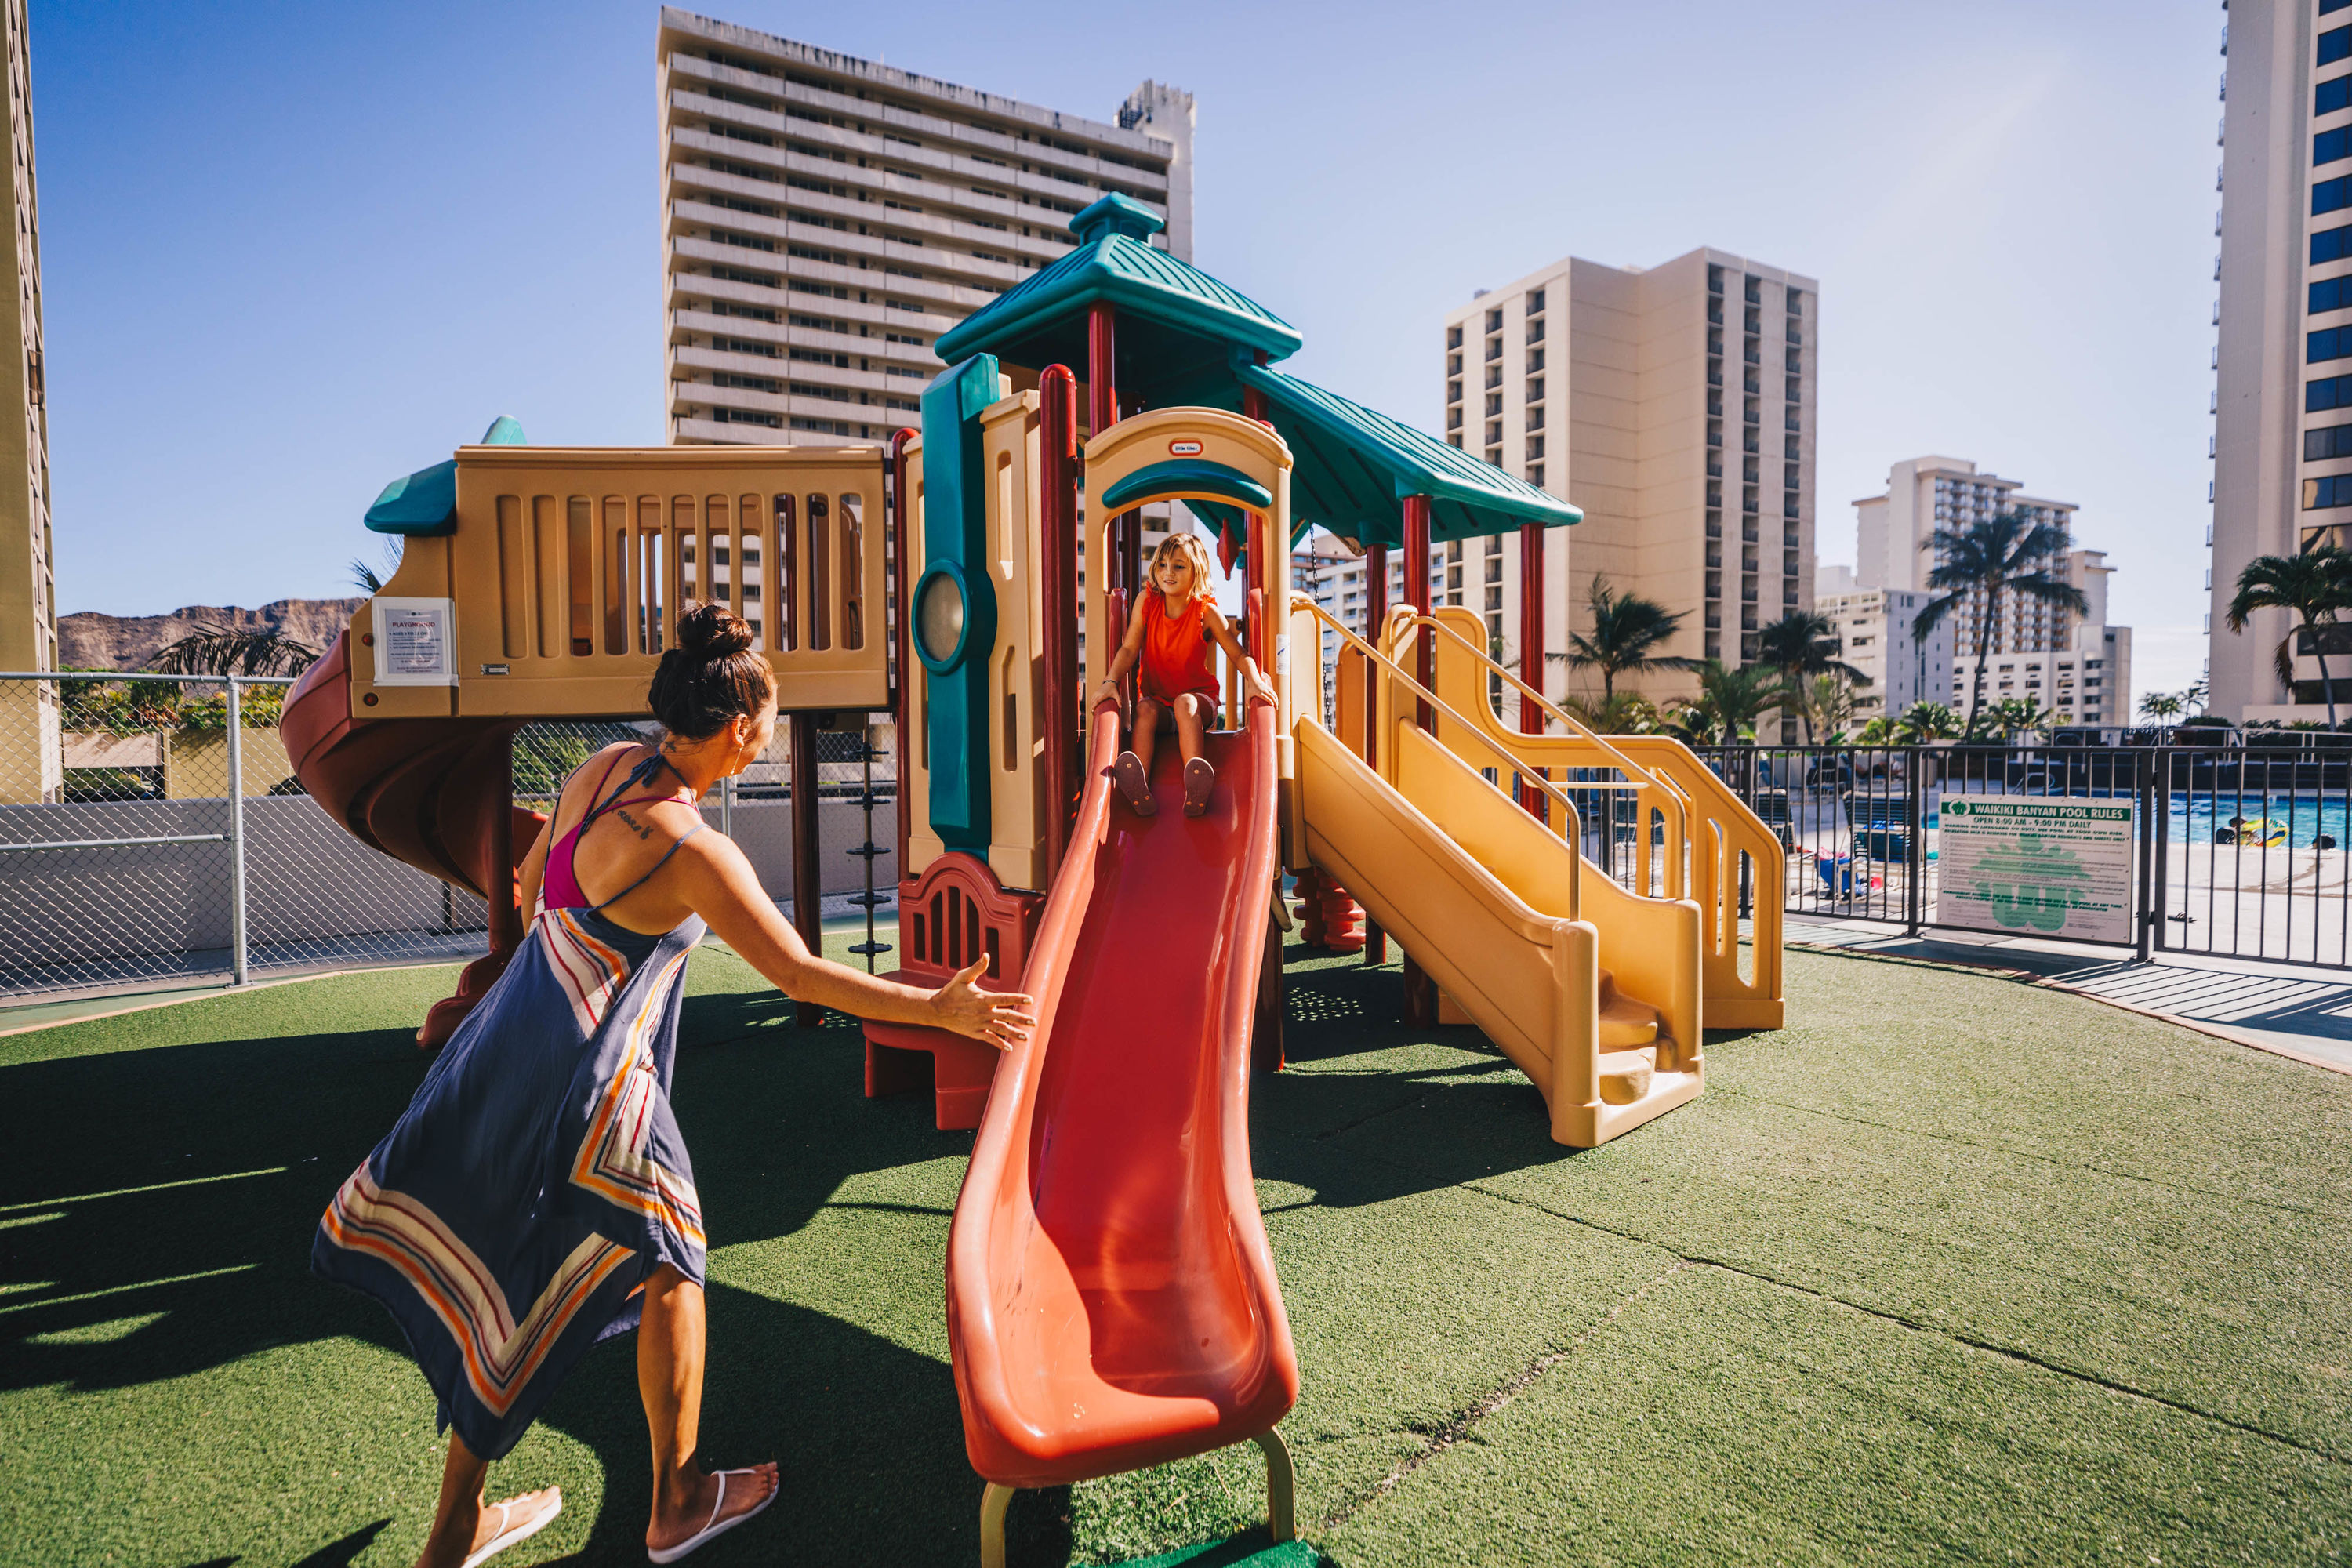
[(1953, 1268)]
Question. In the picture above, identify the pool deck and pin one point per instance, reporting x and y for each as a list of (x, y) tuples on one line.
[(1960, 1266)]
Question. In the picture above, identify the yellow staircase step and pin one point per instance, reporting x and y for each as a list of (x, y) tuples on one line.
[(1625, 1023), (1625, 1075)]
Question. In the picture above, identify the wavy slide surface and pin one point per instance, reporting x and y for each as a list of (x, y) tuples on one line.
[(1111, 1302)]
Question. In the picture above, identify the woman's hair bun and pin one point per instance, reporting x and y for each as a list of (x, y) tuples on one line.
[(713, 631), (709, 675)]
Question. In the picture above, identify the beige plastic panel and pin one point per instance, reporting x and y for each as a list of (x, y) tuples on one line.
[(570, 567)]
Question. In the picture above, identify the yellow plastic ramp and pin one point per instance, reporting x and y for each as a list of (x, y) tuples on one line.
[(1506, 944)]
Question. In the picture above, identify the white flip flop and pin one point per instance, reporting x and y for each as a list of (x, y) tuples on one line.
[(507, 1537), (716, 1526)]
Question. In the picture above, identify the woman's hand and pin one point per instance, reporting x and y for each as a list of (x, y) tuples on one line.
[(1003, 1018)]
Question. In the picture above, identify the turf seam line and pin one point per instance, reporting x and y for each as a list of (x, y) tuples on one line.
[(2007, 1353), (2108, 1171), (1460, 1426)]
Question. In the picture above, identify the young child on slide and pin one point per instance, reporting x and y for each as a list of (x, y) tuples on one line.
[(1175, 619)]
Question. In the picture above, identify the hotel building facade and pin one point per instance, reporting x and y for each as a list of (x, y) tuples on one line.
[(1676, 405), (826, 218), (2282, 442)]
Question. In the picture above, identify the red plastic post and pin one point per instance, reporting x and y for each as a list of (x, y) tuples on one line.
[(901, 519), (1531, 649), (1420, 994), (1058, 521), (1376, 610)]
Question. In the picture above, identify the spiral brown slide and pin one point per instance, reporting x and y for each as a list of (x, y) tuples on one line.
[(434, 794)]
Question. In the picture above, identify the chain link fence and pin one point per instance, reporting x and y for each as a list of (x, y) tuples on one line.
[(153, 836)]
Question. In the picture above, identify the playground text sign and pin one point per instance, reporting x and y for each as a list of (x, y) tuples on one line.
[(2036, 867)]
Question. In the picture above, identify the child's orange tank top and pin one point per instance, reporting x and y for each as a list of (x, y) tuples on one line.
[(1175, 651)]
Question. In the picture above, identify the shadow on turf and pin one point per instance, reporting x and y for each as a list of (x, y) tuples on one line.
[(867, 1432)]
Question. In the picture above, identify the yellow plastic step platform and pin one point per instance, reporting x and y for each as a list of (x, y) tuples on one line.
[(1625, 1023)]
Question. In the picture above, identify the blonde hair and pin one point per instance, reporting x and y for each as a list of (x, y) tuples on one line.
[(1190, 547)]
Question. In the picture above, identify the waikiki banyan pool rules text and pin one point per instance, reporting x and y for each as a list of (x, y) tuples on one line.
[(2052, 868)]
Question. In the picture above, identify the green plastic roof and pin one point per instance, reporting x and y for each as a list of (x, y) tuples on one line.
[(423, 505), (1174, 321), (1352, 467)]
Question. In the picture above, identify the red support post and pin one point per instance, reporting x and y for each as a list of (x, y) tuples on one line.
[(1531, 649), (1376, 610), (1057, 521), (902, 652), (1417, 594), (1420, 992)]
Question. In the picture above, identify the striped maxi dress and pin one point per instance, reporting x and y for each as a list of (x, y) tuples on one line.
[(536, 1179)]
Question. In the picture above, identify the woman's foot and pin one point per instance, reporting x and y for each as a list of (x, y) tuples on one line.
[(708, 1506), (1134, 784), (495, 1527), (1199, 778)]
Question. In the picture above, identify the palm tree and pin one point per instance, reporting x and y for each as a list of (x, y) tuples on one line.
[(2313, 586), (2015, 715), (2200, 691), (371, 580), (2162, 706), (1927, 722), (1729, 701), (1624, 630), (1827, 702), (1802, 647), (228, 651), (1983, 564)]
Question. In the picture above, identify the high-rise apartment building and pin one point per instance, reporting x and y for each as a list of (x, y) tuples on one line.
[(1923, 494), (1874, 629), (826, 218), (1673, 403), (28, 611), (2281, 444), (2075, 665)]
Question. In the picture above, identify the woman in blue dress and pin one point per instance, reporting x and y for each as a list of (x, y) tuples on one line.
[(536, 1196)]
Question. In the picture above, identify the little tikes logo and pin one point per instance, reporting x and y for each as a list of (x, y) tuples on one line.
[(1183, 448)]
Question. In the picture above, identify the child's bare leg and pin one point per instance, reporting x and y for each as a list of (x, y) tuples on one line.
[(1200, 776), (1192, 726), (1145, 740), (1133, 772)]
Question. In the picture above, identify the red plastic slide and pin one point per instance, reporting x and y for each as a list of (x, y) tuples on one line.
[(1111, 1302), (429, 792)]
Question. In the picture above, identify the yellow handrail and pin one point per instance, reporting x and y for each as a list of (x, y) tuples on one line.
[(1569, 816), (1652, 790), (1574, 725)]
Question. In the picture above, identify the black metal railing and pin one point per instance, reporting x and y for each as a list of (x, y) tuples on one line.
[(2239, 848)]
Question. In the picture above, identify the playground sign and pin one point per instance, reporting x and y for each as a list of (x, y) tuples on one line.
[(2054, 868)]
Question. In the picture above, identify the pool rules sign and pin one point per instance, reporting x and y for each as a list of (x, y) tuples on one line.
[(2049, 868)]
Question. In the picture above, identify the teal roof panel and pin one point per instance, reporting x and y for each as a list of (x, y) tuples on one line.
[(1174, 321), (1192, 475)]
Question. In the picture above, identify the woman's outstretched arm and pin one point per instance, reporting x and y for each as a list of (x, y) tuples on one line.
[(717, 883)]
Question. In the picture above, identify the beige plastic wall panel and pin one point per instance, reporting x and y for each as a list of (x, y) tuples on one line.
[(1018, 790), (424, 573), (574, 565)]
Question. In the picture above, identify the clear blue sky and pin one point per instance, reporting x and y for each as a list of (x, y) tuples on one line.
[(294, 250)]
